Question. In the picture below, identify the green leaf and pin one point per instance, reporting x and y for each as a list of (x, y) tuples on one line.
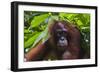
[(54, 17), (42, 35), (31, 40), (38, 19), (27, 31), (46, 35), (79, 23)]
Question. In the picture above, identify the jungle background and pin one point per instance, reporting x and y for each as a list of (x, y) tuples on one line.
[(36, 27)]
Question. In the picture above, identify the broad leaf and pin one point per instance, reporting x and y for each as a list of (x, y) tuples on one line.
[(38, 19), (42, 35), (31, 40)]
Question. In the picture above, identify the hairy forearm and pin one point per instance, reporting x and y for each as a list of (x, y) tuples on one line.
[(34, 52)]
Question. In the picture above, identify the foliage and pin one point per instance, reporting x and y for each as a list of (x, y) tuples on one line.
[(36, 23)]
